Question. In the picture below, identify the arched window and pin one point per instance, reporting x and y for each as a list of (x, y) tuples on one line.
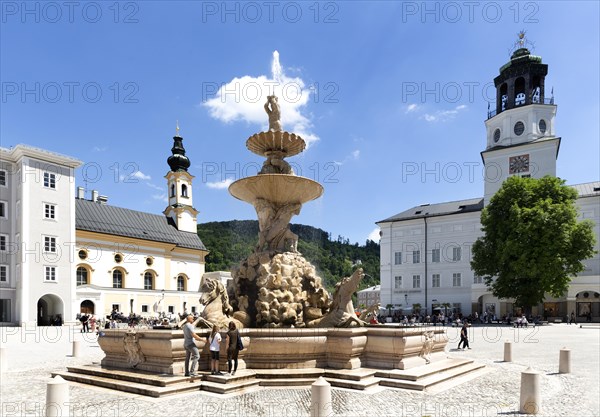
[(184, 192), (148, 281), (172, 190), (180, 283), (117, 278), (520, 93), (82, 276)]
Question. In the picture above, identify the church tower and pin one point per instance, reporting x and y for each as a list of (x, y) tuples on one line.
[(179, 188), (520, 131)]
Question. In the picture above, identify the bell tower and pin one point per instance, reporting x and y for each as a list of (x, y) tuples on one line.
[(179, 188), (520, 131)]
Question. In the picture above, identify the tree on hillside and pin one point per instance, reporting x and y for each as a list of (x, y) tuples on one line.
[(532, 242)]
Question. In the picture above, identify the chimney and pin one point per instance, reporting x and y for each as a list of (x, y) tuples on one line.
[(94, 196), (103, 199), (80, 193)]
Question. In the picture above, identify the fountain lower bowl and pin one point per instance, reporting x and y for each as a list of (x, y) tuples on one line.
[(276, 188)]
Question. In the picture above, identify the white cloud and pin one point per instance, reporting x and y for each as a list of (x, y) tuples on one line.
[(374, 235), (99, 149), (156, 187), (219, 185), (161, 197), (443, 115), (411, 108), (141, 176), (356, 154), (243, 98)]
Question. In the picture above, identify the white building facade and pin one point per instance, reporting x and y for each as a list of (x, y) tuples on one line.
[(62, 254), (426, 250), (37, 234)]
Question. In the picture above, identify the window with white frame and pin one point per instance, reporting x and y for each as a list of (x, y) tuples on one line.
[(456, 279), (3, 212), (49, 211), (49, 244), (416, 256), (3, 273), (180, 283), (193, 309), (397, 258), (398, 282), (117, 278), (81, 275), (435, 281), (456, 253), (477, 279), (144, 308), (3, 243), (49, 180), (2, 178), (50, 273), (148, 281), (116, 307), (435, 255), (171, 309), (416, 281)]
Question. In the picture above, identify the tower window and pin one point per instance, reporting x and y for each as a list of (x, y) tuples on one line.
[(496, 135), (542, 126), (520, 97), (184, 192), (172, 190), (519, 128)]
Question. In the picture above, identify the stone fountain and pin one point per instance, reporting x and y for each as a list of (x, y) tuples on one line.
[(292, 328), (276, 286)]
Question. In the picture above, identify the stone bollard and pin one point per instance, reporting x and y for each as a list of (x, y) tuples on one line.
[(76, 348), (508, 351), (530, 401), (57, 398), (320, 398), (564, 361)]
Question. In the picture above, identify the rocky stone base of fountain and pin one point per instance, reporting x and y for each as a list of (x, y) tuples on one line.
[(278, 290)]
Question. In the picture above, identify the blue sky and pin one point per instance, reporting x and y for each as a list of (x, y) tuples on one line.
[(378, 89)]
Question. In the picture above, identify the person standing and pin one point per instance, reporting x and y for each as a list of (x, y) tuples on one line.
[(191, 351), (231, 341), (573, 320), (84, 323), (215, 346), (464, 336)]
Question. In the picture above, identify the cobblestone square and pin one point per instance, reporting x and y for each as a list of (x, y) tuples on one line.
[(33, 353)]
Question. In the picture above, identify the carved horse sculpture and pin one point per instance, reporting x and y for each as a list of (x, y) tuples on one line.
[(373, 310), (341, 312), (217, 309)]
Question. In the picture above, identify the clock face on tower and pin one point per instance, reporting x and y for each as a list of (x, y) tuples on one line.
[(517, 164)]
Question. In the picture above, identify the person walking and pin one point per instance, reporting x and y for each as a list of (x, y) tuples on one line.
[(191, 350), (464, 336), (231, 341), (215, 346)]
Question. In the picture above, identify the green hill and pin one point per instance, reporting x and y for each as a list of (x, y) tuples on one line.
[(230, 242)]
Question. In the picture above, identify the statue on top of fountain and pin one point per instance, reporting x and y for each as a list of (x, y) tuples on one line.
[(273, 110)]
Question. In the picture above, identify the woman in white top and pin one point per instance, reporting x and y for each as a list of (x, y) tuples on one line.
[(215, 346)]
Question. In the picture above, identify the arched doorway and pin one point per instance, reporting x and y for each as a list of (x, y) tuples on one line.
[(87, 307), (587, 306), (49, 307)]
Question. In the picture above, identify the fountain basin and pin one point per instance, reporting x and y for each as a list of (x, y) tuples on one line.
[(378, 347), (276, 188)]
